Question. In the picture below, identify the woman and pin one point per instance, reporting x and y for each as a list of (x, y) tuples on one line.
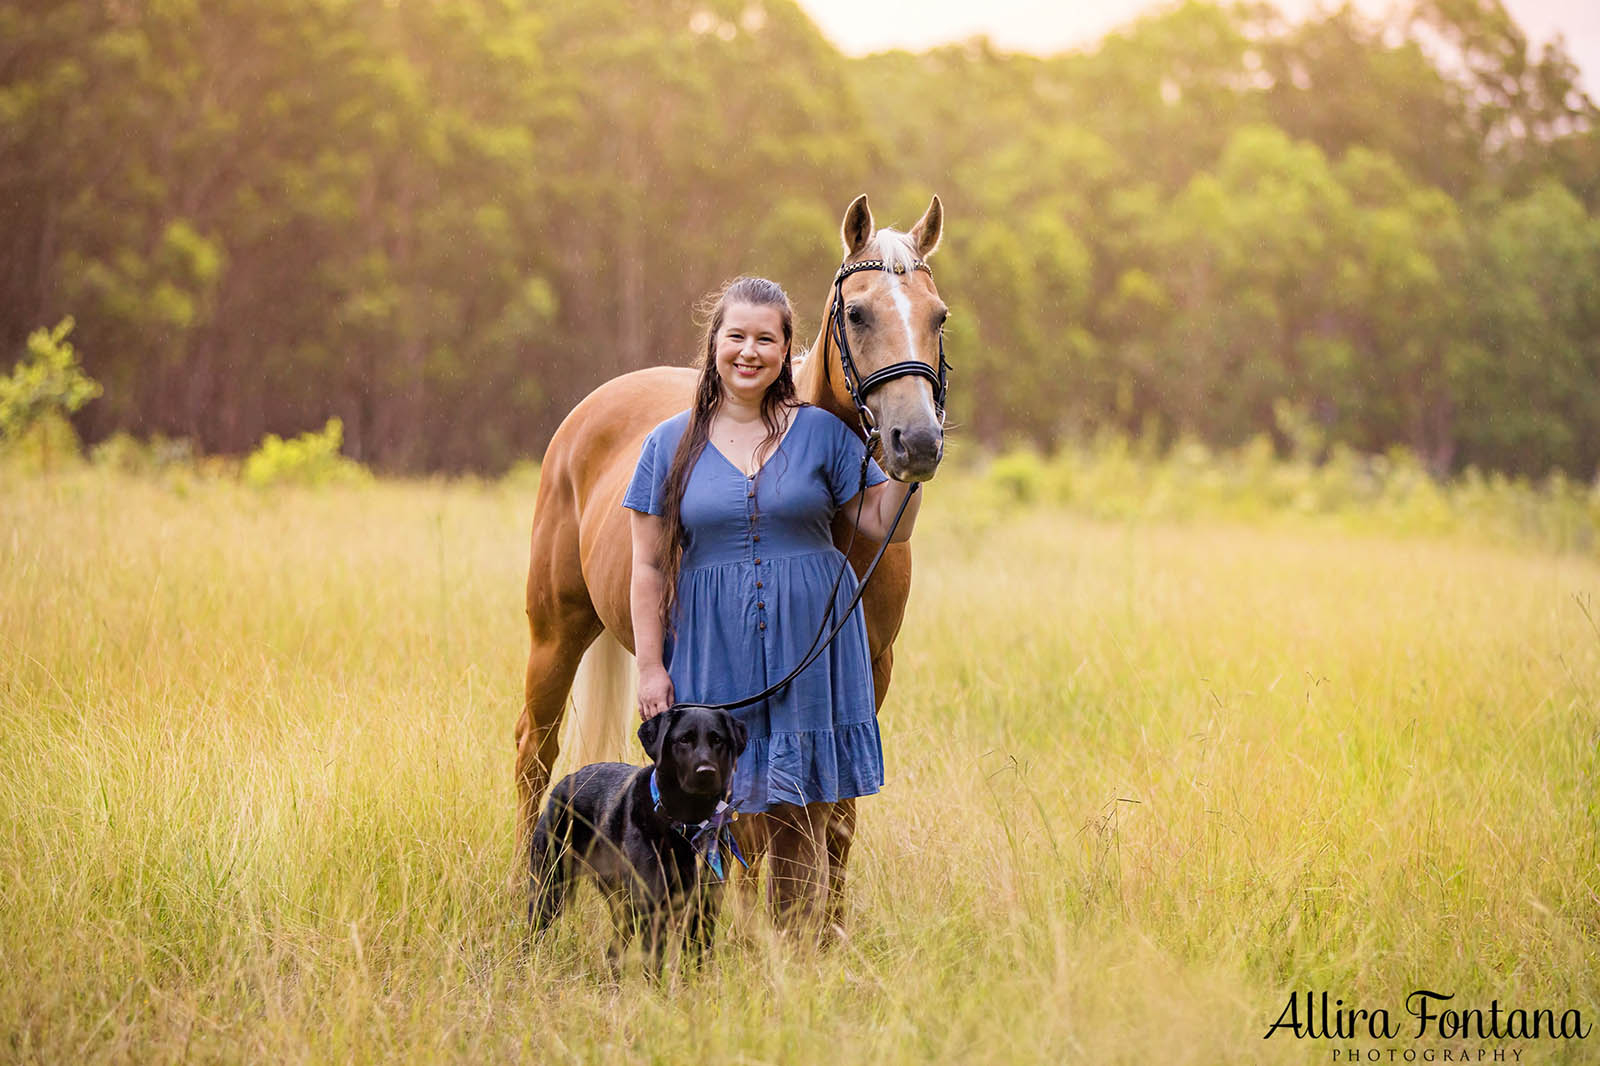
[(733, 561)]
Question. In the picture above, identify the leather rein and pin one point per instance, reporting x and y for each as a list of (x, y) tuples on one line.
[(858, 389)]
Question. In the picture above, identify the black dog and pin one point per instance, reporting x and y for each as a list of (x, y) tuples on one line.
[(653, 838)]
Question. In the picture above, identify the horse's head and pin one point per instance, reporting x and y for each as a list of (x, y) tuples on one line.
[(893, 316)]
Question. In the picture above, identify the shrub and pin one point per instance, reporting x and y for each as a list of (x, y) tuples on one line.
[(128, 454), (45, 387), (1020, 475), (310, 459)]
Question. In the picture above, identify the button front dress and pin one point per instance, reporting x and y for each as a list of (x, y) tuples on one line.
[(758, 564)]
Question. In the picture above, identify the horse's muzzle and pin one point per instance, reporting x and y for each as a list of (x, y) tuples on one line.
[(913, 453)]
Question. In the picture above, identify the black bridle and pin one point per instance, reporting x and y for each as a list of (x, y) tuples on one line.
[(858, 388)]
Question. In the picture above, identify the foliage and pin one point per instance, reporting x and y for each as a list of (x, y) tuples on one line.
[(312, 458), (128, 454), (1392, 493), (45, 386), (46, 380), (1213, 213), (444, 223)]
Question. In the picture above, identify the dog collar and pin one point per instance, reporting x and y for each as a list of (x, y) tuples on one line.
[(707, 838)]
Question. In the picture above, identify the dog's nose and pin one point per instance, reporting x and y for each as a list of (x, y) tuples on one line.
[(706, 769)]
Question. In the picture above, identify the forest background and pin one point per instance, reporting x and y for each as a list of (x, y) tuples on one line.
[(445, 222)]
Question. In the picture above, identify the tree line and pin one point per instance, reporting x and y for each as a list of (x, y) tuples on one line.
[(445, 222)]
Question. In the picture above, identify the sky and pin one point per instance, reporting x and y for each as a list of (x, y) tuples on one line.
[(1047, 26)]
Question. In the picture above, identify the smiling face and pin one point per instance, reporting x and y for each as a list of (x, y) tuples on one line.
[(750, 350)]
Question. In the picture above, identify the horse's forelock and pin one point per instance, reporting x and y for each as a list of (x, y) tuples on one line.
[(895, 249)]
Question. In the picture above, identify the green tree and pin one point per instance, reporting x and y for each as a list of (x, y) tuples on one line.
[(443, 223), (1531, 353), (1526, 104), (1342, 82), (1249, 262)]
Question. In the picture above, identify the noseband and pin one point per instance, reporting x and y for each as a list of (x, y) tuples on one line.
[(853, 381)]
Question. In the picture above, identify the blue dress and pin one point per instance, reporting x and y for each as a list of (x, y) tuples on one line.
[(758, 561)]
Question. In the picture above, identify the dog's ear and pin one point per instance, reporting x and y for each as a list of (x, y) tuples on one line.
[(738, 735), (653, 731)]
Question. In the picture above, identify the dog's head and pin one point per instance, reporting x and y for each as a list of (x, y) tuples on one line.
[(694, 749)]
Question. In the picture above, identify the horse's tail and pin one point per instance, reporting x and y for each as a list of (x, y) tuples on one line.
[(603, 706)]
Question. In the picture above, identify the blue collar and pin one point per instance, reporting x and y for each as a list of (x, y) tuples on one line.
[(709, 837)]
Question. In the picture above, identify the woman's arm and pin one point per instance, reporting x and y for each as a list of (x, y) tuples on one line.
[(647, 590), (882, 501)]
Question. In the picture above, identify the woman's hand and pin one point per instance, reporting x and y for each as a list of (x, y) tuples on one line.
[(655, 691)]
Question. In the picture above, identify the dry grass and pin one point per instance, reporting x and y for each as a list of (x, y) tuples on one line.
[(1145, 780)]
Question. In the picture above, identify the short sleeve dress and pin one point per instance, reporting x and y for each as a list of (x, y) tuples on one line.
[(758, 564)]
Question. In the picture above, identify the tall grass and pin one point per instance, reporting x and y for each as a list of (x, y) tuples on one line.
[(1147, 777)]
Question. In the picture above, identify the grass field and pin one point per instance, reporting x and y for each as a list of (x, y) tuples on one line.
[(1147, 778)]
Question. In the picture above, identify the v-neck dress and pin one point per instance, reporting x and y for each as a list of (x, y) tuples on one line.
[(758, 563)]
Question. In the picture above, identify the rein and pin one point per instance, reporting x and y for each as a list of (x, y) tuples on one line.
[(858, 389)]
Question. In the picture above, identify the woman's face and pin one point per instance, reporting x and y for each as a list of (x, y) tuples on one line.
[(750, 350)]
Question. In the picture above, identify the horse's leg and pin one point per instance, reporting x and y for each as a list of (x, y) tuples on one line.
[(840, 834), (841, 831), (752, 833), (551, 664), (797, 863), (562, 623)]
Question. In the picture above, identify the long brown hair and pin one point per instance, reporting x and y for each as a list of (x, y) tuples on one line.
[(708, 401)]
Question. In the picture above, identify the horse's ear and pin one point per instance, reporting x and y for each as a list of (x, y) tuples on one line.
[(925, 234), (857, 228)]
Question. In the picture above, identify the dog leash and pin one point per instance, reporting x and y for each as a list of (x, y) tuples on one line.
[(707, 838)]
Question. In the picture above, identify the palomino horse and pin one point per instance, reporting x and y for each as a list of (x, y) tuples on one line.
[(578, 575)]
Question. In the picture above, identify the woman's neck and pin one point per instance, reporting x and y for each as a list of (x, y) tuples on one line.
[(747, 414), (739, 411)]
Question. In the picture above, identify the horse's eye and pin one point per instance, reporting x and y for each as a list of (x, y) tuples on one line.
[(854, 314)]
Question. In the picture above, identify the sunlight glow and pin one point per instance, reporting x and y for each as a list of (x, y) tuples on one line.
[(1029, 26)]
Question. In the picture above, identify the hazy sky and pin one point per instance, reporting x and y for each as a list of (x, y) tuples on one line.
[(860, 26)]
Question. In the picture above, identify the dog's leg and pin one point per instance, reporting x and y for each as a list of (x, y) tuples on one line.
[(549, 867), (653, 926), (700, 925), (624, 920)]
